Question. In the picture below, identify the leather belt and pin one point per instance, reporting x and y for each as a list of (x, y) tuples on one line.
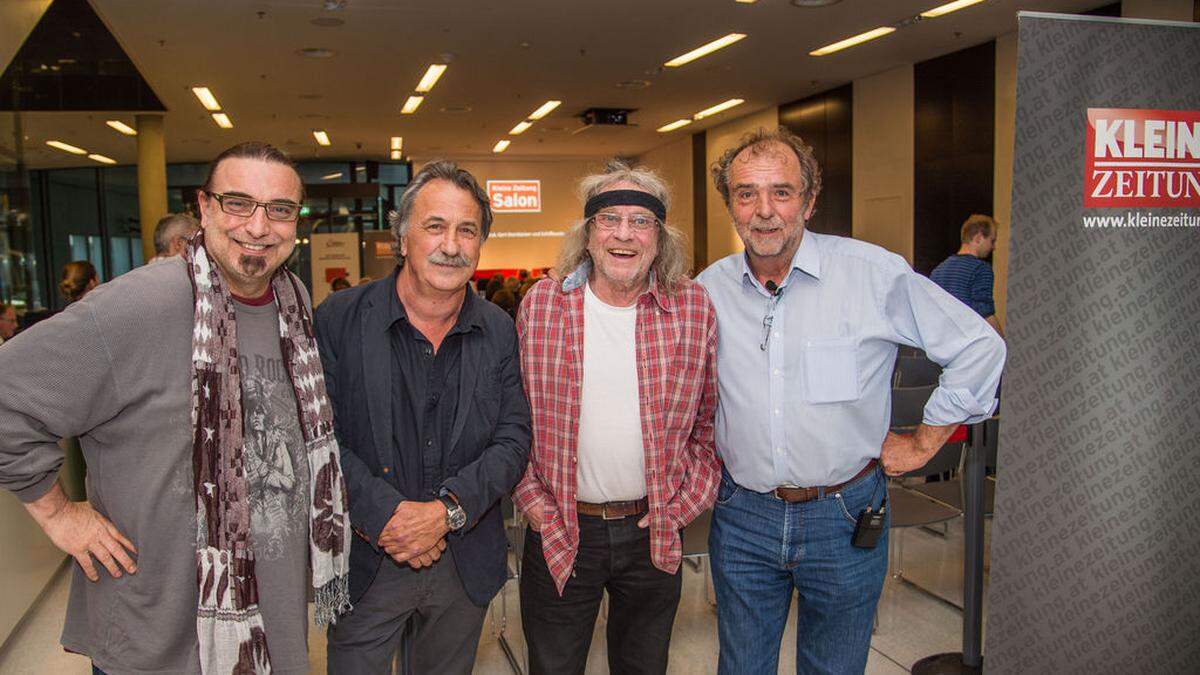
[(797, 495), (613, 510)]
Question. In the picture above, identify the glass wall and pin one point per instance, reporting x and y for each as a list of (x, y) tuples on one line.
[(92, 214)]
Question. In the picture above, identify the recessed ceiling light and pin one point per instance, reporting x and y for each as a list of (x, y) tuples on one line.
[(456, 109), (852, 41), (206, 98), (501, 146), (102, 159), (718, 108), (397, 142), (745, 2), (948, 7), (395, 155), (411, 105), (704, 50), (66, 147), (545, 109), (332, 176), (520, 128), (633, 84), (316, 53), (122, 127), (430, 78), (222, 120), (321, 136), (673, 126)]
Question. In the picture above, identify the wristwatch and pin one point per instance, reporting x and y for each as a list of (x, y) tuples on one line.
[(455, 516)]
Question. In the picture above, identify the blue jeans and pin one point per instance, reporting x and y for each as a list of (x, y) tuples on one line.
[(762, 548)]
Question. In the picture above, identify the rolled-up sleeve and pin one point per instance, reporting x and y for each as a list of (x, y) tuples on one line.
[(970, 352), (57, 382)]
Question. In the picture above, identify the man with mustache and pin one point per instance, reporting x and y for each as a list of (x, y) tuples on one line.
[(618, 352), (165, 374), (434, 430), (809, 329)]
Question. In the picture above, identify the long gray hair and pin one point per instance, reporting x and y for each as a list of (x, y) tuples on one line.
[(669, 267), (438, 170)]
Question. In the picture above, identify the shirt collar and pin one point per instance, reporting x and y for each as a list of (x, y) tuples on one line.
[(469, 315), (807, 259), (575, 281)]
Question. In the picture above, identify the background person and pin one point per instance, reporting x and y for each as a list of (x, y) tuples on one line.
[(78, 277), (966, 275), (171, 234)]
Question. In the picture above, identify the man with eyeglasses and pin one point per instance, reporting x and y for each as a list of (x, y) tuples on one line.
[(168, 375), (809, 329), (618, 355)]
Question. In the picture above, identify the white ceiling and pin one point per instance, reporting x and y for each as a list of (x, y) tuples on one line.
[(508, 58)]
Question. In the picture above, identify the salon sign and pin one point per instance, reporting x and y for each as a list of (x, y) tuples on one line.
[(515, 196)]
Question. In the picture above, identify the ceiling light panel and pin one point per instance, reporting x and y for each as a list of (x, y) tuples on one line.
[(501, 146), (102, 159), (397, 143), (704, 50), (718, 108), (545, 109), (396, 155), (673, 126), (66, 147), (430, 78), (520, 128), (948, 7), (223, 120), (122, 127), (411, 105), (853, 41), (206, 98), (321, 137)]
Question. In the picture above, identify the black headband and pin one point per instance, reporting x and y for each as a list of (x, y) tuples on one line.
[(625, 198)]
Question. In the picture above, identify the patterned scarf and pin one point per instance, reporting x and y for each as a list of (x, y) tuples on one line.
[(228, 623)]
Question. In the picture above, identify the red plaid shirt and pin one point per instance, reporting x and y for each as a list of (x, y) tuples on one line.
[(677, 394)]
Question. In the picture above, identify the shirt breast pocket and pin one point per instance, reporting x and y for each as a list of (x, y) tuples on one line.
[(830, 370)]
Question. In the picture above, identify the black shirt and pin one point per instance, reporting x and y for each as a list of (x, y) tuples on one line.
[(425, 391)]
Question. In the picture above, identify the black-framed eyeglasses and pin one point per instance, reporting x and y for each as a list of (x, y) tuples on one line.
[(611, 221), (237, 205)]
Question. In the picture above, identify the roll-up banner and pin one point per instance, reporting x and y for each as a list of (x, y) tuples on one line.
[(1095, 555)]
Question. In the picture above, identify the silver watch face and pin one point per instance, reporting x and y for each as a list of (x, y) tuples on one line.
[(456, 517)]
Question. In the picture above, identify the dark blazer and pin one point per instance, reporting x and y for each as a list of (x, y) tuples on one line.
[(489, 442)]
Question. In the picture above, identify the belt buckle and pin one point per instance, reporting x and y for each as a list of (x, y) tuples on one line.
[(604, 513)]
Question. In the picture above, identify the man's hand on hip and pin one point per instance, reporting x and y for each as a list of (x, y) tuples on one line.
[(414, 530), (902, 453), (81, 532)]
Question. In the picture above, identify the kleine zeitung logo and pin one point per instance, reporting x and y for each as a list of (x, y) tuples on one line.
[(1142, 158)]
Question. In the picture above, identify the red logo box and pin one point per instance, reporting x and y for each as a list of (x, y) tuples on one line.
[(1142, 158)]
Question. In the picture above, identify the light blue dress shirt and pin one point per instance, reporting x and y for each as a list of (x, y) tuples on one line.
[(813, 407)]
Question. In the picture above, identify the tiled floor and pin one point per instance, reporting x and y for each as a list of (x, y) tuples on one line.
[(911, 624)]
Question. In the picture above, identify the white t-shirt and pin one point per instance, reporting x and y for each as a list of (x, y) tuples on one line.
[(611, 464)]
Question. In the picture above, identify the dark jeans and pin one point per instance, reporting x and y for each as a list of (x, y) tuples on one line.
[(614, 556), (442, 623)]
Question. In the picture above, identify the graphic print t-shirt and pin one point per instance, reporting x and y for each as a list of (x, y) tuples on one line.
[(277, 472)]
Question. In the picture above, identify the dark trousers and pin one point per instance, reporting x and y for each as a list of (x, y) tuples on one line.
[(614, 556), (442, 623)]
